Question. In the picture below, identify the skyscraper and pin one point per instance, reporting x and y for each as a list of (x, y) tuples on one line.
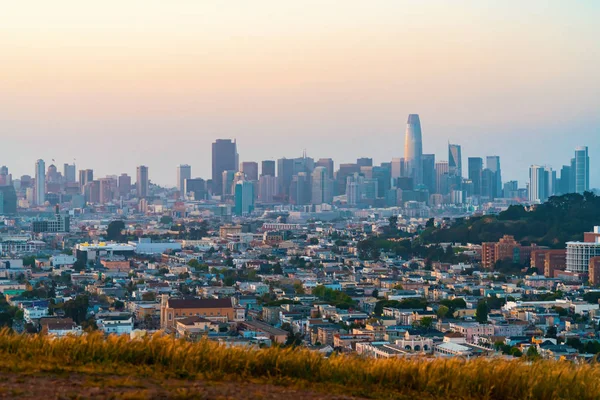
[(540, 184), (397, 168), (343, 173), (285, 172), (428, 161), (8, 200), (267, 188), (441, 177), (40, 182), (565, 180), (196, 188), (582, 170), (184, 172), (493, 164), (475, 170), (224, 158), (142, 182), (124, 185), (413, 149), (268, 168), (227, 180), (69, 172), (364, 162), (322, 186), (454, 160), (328, 164), (85, 176), (250, 169)]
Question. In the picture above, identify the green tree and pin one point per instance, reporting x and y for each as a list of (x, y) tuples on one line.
[(481, 314), (77, 308), (532, 353), (166, 220), (114, 230), (442, 312)]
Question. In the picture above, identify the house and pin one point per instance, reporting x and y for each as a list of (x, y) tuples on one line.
[(192, 327), (115, 323), (59, 327)]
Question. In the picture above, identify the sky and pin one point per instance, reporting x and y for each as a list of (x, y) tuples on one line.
[(118, 83)]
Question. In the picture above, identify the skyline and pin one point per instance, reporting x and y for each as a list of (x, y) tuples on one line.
[(120, 85)]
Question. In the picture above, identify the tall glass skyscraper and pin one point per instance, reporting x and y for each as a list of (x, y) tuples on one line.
[(413, 149), (475, 173), (454, 160), (40, 182), (582, 170), (224, 158)]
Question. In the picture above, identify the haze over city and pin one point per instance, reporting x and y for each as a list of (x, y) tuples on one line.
[(119, 84)]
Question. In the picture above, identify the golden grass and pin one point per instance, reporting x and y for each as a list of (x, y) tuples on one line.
[(392, 378)]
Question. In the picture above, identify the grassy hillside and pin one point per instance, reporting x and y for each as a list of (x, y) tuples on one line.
[(163, 358)]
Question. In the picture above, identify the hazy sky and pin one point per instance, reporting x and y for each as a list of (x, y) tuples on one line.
[(117, 83)]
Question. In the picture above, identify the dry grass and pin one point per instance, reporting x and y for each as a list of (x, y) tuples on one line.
[(426, 378)]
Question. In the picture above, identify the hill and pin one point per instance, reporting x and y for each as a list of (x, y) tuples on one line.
[(559, 220), (161, 367)]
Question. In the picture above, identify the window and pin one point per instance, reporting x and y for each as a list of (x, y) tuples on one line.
[(170, 316)]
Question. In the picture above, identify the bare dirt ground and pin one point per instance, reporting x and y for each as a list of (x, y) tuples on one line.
[(87, 386)]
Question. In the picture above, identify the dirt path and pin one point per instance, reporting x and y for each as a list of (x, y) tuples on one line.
[(81, 386)]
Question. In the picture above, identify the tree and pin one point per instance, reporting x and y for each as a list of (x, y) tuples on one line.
[(313, 241), (119, 305), (114, 230), (426, 322), (551, 332), (166, 220), (481, 314), (532, 353), (149, 296), (442, 312), (375, 293), (77, 308)]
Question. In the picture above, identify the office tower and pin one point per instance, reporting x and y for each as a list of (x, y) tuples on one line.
[(397, 168), (383, 175), (565, 180), (475, 170), (26, 181), (322, 186), (124, 182), (304, 164), (285, 172), (268, 168), (227, 180), (454, 160), (364, 162), (441, 177), (5, 177), (488, 183), (342, 174), (108, 188), (244, 198), (367, 172), (85, 176), (328, 164), (91, 191), (250, 170), (69, 172), (413, 149), (40, 182), (539, 183), (511, 190), (184, 172), (224, 158), (300, 189), (142, 182), (195, 188), (267, 188), (582, 170), (8, 200), (428, 162), (493, 164), (354, 188)]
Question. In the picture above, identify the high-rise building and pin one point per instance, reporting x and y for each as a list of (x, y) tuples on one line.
[(304, 164), (40, 182), (328, 164), (511, 189), (397, 168), (244, 198), (267, 188), (184, 172), (69, 173), (364, 162), (142, 182), (268, 168), (322, 186), (196, 188), (413, 149), (124, 185), (383, 175), (454, 160), (300, 189), (250, 170), (493, 164), (428, 161), (5, 177), (108, 188), (343, 173), (8, 200), (582, 170), (441, 177), (85, 176), (285, 172), (224, 158), (354, 189), (475, 170), (564, 185), (540, 183), (227, 180)]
